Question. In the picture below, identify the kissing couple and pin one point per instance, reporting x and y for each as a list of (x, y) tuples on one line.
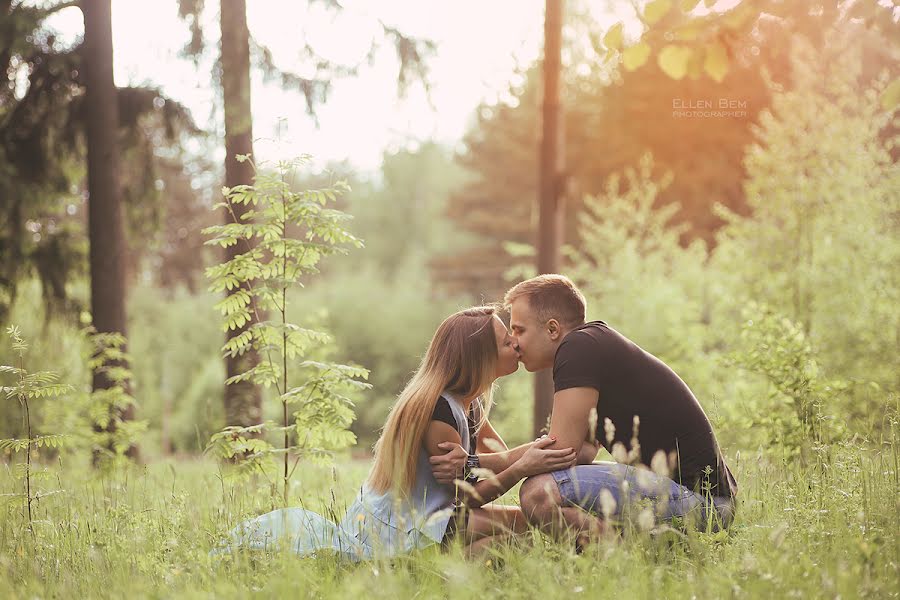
[(439, 463)]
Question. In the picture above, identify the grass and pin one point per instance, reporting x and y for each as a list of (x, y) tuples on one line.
[(824, 527)]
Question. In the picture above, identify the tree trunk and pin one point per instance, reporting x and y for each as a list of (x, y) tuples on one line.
[(105, 221), (243, 401), (550, 225)]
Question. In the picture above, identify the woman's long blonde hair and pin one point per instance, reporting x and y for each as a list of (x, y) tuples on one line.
[(461, 359)]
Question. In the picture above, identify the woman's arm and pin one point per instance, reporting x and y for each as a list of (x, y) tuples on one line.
[(450, 462), (533, 461), (493, 454)]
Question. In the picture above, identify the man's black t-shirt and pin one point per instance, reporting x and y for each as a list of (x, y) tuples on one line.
[(633, 382)]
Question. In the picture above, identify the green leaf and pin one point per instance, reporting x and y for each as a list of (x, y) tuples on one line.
[(49, 441), (890, 97), (48, 391), (673, 60), (613, 37), (656, 10), (41, 377), (716, 62), (709, 3), (238, 344), (14, 445), (689, 5), (635, 56)]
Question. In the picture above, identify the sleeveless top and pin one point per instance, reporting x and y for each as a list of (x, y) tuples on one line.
[(391, 525)]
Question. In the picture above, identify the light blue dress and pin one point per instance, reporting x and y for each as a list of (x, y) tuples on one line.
[(375, 524)]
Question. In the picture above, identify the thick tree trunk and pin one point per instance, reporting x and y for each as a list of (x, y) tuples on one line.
[(243, 401), (105, 221), (550, 226)]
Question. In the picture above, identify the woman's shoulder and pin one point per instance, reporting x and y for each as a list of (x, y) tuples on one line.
[(443, 412)]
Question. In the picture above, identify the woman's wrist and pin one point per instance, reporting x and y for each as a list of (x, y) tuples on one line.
[(472, 462), (517, 471)]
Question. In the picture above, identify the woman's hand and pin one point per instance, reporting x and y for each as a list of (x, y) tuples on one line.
[(538, 459)]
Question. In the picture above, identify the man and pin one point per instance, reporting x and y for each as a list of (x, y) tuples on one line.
[(610, 391)]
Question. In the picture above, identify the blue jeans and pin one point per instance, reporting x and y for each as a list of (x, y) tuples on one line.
[(618, 491)]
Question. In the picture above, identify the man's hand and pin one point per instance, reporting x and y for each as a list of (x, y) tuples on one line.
[(449, 466)]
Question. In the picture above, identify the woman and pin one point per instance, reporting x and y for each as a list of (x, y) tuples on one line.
[(448, 401), (401, 506)]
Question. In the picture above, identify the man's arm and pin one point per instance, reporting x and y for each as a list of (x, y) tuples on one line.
[(588, 451), (451, 465), (486, 490), (570, 420)]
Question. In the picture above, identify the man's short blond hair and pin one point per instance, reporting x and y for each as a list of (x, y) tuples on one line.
[(550, 297)]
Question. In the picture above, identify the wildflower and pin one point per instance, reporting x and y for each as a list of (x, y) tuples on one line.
[(645, 520), (659, 464), (607, 503), (609, 429)]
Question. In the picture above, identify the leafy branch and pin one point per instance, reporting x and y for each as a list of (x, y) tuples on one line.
[(27, 387), (291, 232)]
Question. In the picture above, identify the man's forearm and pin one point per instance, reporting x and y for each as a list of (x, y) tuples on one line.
[(500, 461)]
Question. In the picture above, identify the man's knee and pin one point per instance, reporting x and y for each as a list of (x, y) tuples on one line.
[(539, 497)]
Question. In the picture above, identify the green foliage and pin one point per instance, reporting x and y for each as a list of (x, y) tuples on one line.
[(175, 341), (284, 236), (388, 332), (402, 218), (776, 348), (821, 244), (819, 250), (512, 413), (111, 434), (43, 157), (28, 387), (709, 43), (639, 278)]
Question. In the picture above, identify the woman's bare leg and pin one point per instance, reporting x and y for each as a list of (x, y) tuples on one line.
[(495, 519), (491, 524), (479, 547)]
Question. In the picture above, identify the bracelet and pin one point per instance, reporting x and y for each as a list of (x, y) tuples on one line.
[(472, 462)]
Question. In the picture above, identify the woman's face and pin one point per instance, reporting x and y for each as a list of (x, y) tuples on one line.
[(507, 356)]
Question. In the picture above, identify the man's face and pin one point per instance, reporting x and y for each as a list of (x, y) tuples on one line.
[(536, 348)]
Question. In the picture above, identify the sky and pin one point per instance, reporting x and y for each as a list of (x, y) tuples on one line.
[(479, 46)]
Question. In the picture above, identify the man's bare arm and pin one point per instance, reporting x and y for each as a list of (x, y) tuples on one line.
[(569, 423), (488, 489), (451, 465), (588, 451)]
